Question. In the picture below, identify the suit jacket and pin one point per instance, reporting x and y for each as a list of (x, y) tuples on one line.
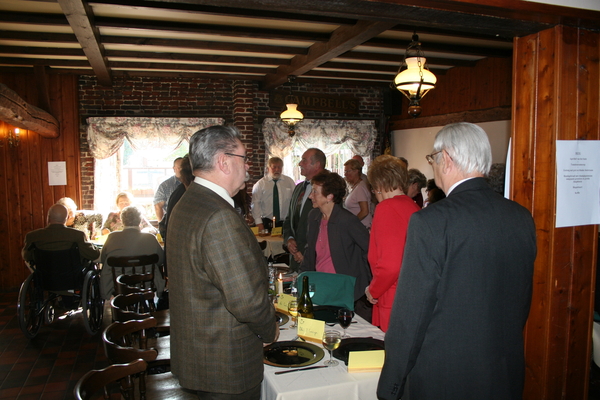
[(59, 237), (463, 297), (129, 242), (297, 230), (348, 244), (220, 311)]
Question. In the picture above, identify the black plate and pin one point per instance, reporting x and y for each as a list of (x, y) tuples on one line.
[(356, 344), (326, 313), (292, 354), (281, 318)]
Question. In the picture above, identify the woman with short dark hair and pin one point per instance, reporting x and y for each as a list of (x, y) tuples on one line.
[(337, 242)]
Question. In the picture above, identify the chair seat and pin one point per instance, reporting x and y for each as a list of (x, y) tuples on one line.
[(166, 386)]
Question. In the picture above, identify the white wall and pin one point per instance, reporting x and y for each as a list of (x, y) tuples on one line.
[(415, 144)]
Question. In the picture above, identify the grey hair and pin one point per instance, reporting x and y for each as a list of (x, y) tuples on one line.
[(131, 216), (416, 176), (468, 146), (208, 142)]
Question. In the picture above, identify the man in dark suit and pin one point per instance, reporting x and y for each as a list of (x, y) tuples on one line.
[(464, 292), (57, 236), (220, 311), (294, 227)]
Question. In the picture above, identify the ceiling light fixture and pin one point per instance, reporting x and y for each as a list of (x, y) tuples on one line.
[(416, 80), (291, 116)]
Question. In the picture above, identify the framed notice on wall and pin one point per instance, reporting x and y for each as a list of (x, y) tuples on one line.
[(57, 173)]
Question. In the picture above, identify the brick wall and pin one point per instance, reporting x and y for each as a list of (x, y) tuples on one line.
[(238, 102)]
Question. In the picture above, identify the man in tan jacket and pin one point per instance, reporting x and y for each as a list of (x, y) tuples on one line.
[(220, 311)]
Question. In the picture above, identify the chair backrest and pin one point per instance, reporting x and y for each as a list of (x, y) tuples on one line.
[(134, 283), (331, 289), (58, 269), (134, 306), (95, 380), (132, 265), (118, 341)]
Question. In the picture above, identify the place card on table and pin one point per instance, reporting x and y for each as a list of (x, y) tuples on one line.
[(366, 361), (311, 329), (277, 231), (254, 230), (283, 301)]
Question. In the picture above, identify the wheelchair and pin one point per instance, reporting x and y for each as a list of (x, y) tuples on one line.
[(59, 275)]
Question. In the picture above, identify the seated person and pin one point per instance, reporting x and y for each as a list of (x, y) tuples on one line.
[(113, 221), (89, 222), (57, 236), (131, 241)]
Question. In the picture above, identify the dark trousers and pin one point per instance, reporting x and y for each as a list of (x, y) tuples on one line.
[(252, 394)]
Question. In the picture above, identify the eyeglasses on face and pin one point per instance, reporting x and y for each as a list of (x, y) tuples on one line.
[(429, 157), (238, 155)]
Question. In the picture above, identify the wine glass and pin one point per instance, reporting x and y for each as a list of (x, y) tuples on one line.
[(312, 287), (345, 319), (293, 310), (331, 341)]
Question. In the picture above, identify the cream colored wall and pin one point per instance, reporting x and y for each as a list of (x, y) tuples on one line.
[(414, 144)]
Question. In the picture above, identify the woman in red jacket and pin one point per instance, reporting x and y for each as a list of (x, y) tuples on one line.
[(389, 180)]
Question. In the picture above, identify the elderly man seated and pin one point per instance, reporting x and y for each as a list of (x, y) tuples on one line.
[(57, 236), (131, 241)]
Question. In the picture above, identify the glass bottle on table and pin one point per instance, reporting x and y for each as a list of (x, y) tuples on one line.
[(305, 305)]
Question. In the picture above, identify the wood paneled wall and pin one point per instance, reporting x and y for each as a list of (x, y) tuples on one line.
[(556, 92), (25, 194)]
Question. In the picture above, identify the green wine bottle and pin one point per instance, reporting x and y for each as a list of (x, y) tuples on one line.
[(305, 305)]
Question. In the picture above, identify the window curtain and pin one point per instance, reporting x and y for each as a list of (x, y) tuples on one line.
[(106, 134), (326, 134)]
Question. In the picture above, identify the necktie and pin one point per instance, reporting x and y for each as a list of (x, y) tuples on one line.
[(296, 216), (276, 202)]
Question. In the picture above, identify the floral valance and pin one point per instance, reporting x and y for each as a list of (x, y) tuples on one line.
[(325, 134), (106, 134)]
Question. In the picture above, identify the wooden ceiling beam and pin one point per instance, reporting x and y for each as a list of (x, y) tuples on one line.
[(342, 39), (208, 58), (216, 30), (80, 18), (441, 48)]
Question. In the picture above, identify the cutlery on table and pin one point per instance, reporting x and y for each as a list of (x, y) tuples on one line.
[(299, 369)]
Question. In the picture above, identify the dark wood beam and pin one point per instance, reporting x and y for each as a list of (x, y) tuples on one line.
[(81, 20), (441, 47), (342, 40), (476, 116), (358, 55), (41, 51), (17, 112)]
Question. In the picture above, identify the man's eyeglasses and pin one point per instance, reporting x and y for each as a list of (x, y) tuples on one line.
[(429, 157), (237, 155)]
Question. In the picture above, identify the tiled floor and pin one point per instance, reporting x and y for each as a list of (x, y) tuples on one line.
[(48, 366)]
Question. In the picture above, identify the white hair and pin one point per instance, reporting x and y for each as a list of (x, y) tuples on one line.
[(468, 146)]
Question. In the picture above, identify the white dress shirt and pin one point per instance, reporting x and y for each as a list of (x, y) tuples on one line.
[(262, 197)]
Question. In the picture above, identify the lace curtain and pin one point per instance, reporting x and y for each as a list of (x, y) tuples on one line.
[(326, 134), (106, 134), (157, 137)]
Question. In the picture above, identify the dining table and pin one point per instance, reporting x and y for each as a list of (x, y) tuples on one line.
[(333, 382), (274, 245)]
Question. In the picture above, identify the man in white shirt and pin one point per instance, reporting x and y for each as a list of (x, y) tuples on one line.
[(271, 196)]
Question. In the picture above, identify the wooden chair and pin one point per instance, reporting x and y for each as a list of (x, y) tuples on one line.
[(133, 265), (95, 380), (157, 386), (134, 283), (136, 306)]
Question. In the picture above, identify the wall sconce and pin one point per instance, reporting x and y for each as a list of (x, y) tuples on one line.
[(13, 137), (416, 80), (291, 116)]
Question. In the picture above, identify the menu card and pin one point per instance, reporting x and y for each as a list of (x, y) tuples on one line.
[(366, 361), (283, 301), (277, 231), (311, 329), (254, 230)]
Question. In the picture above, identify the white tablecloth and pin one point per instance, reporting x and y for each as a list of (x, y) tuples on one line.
[(274, 245), (323, 383)]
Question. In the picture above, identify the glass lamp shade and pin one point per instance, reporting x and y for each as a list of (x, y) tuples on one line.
[(291, 115), (409, 79)]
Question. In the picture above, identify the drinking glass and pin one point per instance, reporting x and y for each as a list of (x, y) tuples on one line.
[(345, 319), (331, 341), (293, 310), (312, 288)]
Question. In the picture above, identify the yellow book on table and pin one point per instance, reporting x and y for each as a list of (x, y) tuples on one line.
[(366, 361)]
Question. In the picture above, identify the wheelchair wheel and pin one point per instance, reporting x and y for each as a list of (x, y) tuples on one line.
[(30, 307), (92, 302)]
